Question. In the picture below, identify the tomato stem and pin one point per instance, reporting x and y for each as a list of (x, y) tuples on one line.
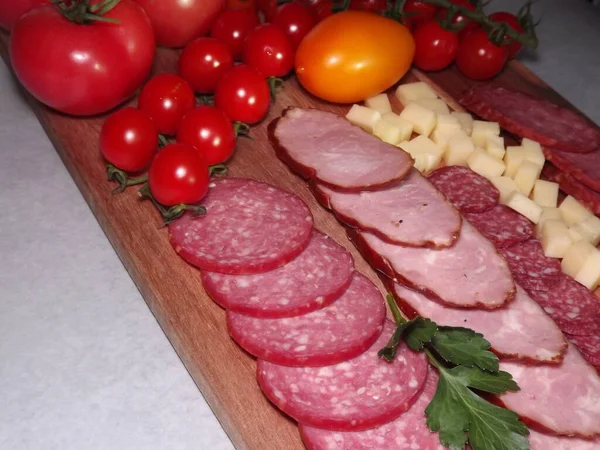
[(121, 177), (274, 84), (172, 213), (241, 129), (81, 12), (218, 169), (162, 141)]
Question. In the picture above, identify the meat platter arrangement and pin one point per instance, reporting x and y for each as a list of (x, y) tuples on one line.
[(415, 271)]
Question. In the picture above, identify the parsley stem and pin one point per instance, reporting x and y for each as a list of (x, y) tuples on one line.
[(395, 310)]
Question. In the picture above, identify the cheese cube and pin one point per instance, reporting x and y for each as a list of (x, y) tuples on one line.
[(495, 146), (572, 211), (405, 127), (576, 234), (513, 158), (526, 175), (548, 214), (505, 186), (484, 164), (533, 151), (458, 150), (437, 105), (387, 132), (524, 206), (409, 92), (545, 193), (447, 123), (423, 119), (426, 162), (441, 137), (575, 257), (483, 129), (379, 103), (420, 144), (555, 238), (466, 121), (589, 274), (589, 229), (364, 117)]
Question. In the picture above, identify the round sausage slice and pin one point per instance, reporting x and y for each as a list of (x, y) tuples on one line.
[(501, 225)]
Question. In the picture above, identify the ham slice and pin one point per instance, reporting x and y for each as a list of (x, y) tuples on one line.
[(325, 147), (412, 212), (540, 441), (469, 274), (563, 399), (520, 330)]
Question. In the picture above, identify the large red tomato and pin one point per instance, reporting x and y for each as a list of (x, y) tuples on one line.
[(82, 69), (177, 22), (11, 10)]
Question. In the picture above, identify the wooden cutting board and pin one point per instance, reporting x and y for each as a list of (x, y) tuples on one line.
[(195, 325)]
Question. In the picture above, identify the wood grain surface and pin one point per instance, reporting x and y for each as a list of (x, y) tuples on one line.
[(193, 323)]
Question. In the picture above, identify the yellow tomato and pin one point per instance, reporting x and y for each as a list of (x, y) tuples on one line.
[(353, 55)]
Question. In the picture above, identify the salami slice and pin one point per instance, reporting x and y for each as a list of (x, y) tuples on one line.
[(541, 441), (341, 331), (315, 279), (561, 398), (589, 197), (589, 345), (407, 432), (467, 190), (250, 227), (533, 118), (530, 267), (358, 394), (574, 308), (501, 225)]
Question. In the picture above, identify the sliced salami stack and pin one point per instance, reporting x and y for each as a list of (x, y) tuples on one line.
[(589, 197)]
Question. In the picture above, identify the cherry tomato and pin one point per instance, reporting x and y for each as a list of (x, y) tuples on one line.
[(232, 27), (268, 8), (243, 95), (419, 12), (322, 9), (478, 58), (512, 21), (354, 55), (269, 50), (210, 132), (435, 48), (296, 19), (203, 62), (377, 6), (178, 174), (241, 4), (128, 139), (82, 69), (11, 10), (460, 18), (166, 98)]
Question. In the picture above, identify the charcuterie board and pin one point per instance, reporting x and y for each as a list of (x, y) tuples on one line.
[(193, 323)]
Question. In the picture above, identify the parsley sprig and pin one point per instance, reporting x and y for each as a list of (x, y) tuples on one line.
[(466, 366)]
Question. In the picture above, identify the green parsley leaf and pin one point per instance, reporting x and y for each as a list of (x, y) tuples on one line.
[(389, 351), (464, 347), (419, 332)]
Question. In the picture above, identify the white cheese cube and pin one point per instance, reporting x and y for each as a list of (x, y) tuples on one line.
[(524, 206), (526, 175), (420, 144), (547, 214), (422, 119), (572, 211), (589, 274), (466, 121), (447, 123), (505, 186), (458, 150), (409, 92), (405, 127), (437, 105), (364, 117), (483, 129), (576, 234), (545, 193), (379, 103), (589, 229), (533, 151), (494, 145), (484, 164), (387, 132), (426, 162), (513, 158), (441, 137), (575, 257), (555, 238)]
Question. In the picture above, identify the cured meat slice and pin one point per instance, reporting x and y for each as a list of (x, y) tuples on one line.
[(533, 118), (501, 225), (341, 331), (530, 267), (584, 168), (250, 227), (573, 307), (541, 441), (412, 212), (469, 274), (330, 150), (315, 279), (520, 330), (589, 345), (407, 432), (357, 394), (467, 190), (563, 399), (586, 195)]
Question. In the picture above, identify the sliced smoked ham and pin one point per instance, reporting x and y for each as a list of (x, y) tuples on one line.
[(541, 441), (411, 212), (520, 330), (564, 398), (325, 147), (469, 274)]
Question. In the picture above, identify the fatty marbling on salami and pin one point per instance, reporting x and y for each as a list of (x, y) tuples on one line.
[(412, 212), (530, 267), (250, 227), (313, 280), (407, 432), (469, 274), (501, 225), (361, 393), (341, 331), (328, 149)]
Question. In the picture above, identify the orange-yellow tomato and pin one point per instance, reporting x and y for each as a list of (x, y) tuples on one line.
[(353, 55)]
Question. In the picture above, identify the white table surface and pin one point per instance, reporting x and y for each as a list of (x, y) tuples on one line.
[(83, 363)]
